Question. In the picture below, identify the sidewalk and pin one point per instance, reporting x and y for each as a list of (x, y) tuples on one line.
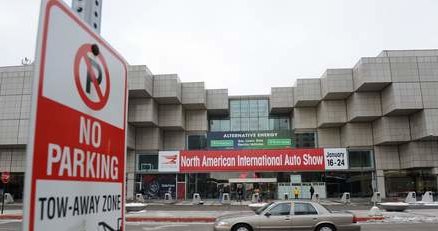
[(187, 212)]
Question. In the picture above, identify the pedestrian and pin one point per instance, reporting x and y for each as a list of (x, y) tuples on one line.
[(221, 192), (239, 193), (296, 192), (312, 191), (257, 192)]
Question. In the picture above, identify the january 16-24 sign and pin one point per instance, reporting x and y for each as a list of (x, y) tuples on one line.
[(250, 140), (76, 153), (336, 158)]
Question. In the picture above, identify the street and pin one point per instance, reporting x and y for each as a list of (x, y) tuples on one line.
[(15, 226)]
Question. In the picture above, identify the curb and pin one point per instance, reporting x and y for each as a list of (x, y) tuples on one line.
[(178, 219), (171, 219), (11, 217), (365, 219)]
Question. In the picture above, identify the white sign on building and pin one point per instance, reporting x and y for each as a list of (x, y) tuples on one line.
[(336, 158), (168, 161)]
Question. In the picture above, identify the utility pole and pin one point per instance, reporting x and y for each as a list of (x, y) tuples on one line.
[(90, 11)]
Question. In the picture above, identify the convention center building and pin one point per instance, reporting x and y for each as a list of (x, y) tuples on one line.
[(369, 128)]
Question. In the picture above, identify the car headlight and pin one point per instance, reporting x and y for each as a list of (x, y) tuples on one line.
[(222, 223)]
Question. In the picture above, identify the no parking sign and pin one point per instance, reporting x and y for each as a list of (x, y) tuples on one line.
[(76, 153)]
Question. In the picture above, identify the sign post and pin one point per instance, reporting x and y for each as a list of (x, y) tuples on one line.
[(76, 151)]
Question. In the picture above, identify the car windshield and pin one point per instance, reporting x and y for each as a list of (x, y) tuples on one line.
[(261, 209)]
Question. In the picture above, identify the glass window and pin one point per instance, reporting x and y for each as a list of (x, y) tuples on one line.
[(360, 159), (235, 124), (196, 142), (280, 210), (215, 125), (263, 107), (244, 124), (304, 209), (234, 108), (283, 124), (305, 140), (244, 108), (253, 124), (225, 125), (253, 108), (147, 162), (263, 123)]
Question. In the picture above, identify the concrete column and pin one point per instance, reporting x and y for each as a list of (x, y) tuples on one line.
[(435, 172), (381, 183), (130, 186)]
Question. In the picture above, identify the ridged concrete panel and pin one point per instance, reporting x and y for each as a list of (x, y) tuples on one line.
[(428, 68), (401, 99), (329, 137), (387, 157), (307, 92), (304, 118), (363, 107), (391, 130), (281, 99), (419, 154), (171, 117), (143, 112), (196, 120), (140, 82), (331, 113), (357, 135), (424, 125), (336, 84), (174, 140), (167, 89), (371, 74), (194, 95), (404, 69), (217, 101), (148, 138)]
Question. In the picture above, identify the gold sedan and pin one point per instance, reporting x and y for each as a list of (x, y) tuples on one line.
[(289, 215)]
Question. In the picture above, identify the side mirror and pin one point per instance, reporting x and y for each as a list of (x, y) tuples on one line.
[(268, 214)]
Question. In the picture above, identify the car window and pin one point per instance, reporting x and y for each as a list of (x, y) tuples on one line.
[(261, 209), (280, 209), (304, 209)]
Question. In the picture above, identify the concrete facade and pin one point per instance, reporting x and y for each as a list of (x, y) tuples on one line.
[(336, 84), (281, 99), (387, 104), (307, 92)]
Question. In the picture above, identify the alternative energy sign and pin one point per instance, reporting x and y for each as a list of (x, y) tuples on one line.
[(76, 153)]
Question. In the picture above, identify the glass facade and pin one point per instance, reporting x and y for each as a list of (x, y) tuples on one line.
[(196, 142), (398, 183), (250, 115), (305, 140), (360, 159), (147, 162)]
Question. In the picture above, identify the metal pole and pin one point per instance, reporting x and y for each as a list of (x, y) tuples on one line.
[(90, 11)]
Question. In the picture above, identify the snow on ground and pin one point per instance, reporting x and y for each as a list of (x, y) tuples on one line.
[(410, 216)]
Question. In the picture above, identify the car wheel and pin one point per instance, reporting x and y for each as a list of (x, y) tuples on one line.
[(241, 227), (326, 227)]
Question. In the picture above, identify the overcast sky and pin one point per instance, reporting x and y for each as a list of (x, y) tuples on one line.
[(247, 46)]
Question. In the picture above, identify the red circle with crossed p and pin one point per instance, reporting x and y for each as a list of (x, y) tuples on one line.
[(93, 80)]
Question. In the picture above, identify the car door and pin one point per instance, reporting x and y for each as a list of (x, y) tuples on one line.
[(304, 216), (277, 217)]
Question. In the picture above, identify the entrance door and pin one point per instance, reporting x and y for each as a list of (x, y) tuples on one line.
[(181, 189)]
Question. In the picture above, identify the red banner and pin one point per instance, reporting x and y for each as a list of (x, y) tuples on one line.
[(252, 160)]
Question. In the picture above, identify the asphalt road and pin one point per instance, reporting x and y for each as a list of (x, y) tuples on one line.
[(15, 226)]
